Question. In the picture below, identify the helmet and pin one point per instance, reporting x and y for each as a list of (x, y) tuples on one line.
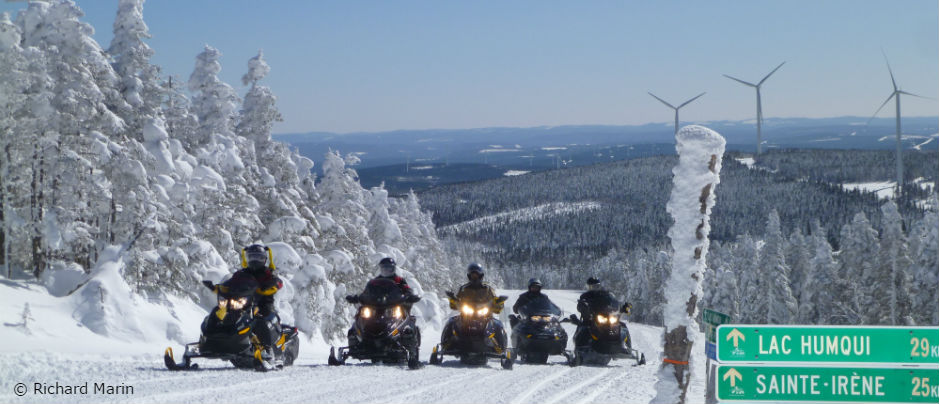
[(387, 266), (534, 282), (593, 284), (475, 268), (256, 256)]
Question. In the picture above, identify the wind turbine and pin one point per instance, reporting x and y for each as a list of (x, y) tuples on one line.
[(896, 93), (676, 108), (759, 107)]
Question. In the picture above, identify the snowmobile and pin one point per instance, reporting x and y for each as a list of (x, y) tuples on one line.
[(474, 335), (227, 333), (537, 332), (603, 336), (384, 329)]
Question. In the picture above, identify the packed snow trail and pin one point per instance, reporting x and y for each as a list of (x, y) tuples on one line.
[(311, 380)]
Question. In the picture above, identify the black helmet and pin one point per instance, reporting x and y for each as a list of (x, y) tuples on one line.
[(475, 268), (534, 282), (255, 256), (387, 266), (593, 284)]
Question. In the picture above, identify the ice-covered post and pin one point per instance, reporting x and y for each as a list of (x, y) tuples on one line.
[(699, 163)]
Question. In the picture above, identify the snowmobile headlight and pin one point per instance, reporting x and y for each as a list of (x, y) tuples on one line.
[(613, 319), (398, 313), (535, 318), (483, 311), (601, 319), (467, 310), (237, 304), (366, 312)]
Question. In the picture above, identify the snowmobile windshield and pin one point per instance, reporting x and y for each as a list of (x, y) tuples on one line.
[(604, 304), (381, 292), (541, 306), (239, 285)]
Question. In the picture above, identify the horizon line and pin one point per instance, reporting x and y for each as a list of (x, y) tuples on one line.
[(670, 122)]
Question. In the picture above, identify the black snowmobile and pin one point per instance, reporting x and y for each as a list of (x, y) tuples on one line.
[(474, 335), (601, 335), (537, 332), (227, 333), (384, 329)]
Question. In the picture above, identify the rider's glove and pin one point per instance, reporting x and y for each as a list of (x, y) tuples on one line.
[(412, 299), (352, 298)]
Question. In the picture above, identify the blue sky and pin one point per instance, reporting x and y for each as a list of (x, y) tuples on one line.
[(346, 66)]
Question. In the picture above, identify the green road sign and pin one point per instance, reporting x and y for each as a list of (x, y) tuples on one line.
[(767, 343), (831, 384), (711, 320)]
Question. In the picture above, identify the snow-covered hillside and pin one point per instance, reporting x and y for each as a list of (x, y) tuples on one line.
[(531, 214), (54, 347), (124, 191)]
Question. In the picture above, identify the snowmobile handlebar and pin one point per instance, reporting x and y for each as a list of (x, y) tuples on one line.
[(208, 284)]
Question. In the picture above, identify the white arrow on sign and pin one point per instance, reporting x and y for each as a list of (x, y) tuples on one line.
[(736, 335), (734, 375)]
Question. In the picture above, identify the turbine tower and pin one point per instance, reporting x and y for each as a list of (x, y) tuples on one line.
[(896, 93), (676, 108), (759, 107)]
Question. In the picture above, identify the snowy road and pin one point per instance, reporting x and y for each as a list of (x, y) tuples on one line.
[(311, 380)]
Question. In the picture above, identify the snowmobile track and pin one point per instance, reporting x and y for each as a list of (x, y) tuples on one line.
[(580, 386), (521, 398)]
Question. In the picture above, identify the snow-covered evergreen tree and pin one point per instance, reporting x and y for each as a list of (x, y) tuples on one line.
[(139, 80), (816, 304), (858, 255), (752, 280), (781, 306), (924, 247), (890, 302), (798, 255), (215, 102)]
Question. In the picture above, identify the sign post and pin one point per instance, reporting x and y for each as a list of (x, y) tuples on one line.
[(712, 319)]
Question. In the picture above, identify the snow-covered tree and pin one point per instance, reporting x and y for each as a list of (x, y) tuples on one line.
[(139, 80), (13, 88), (752, 280), (890, 300), (924, 248), (858, 256), (817, 302), (215, 102), (258, 113), (781, 306), (798, 255)]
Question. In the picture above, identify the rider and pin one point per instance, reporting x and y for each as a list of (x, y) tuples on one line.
[(595, 292), (474, 291), (257, 262), (594, 295), (534, 292), (388, 270)]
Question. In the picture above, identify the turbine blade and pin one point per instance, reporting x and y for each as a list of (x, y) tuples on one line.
[(740, 81), (663, 101), (689, 101), (915, 95), (889, 69), (881, 107), (771, 73)]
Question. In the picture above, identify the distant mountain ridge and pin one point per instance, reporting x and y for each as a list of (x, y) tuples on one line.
[(480, 145)]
